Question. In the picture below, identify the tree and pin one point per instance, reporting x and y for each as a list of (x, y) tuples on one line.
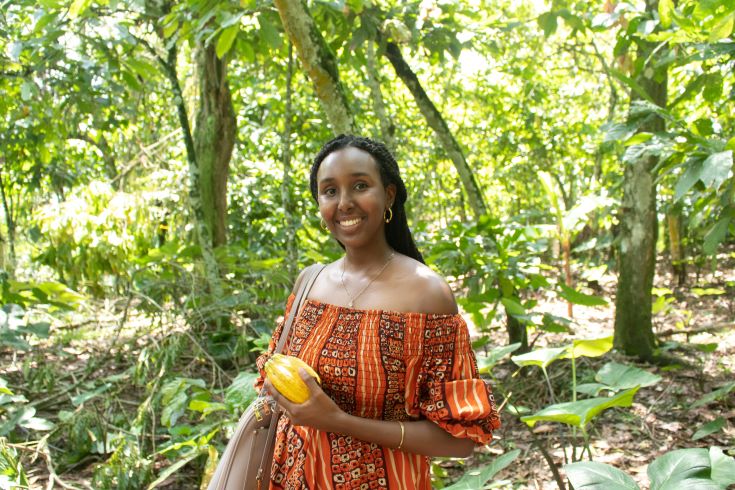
[(318, 61), (638, 218)]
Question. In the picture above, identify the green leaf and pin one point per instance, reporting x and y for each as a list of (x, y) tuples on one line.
[(716, 235), (717, 394), (485, 364), (640, 91), (78, 7), (476, 478), (226, 38), (548, 22), (578, 298), (709, 428), (206, 407), (723, 467), (555, 324), (591, 389), (540, 357), (579, 413), (268, 32), (665, 7), (241, 392), (88, 395), (670, 470), (589, 347), (712, 87), (513, 307), (37, 423), (622, 377), (590, 475), (722, 29), (170, 470), (688, 178), (716, 169), (638, 138)]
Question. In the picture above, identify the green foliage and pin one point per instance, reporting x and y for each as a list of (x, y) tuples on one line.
[(616, 377), (92, 236), (126, 469), (683, 468), (12, 474), (476, 478), (580, 413)]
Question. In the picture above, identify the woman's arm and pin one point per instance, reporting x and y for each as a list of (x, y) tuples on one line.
[(320, 412)]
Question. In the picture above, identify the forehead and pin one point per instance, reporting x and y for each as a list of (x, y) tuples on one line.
[(348, 161)]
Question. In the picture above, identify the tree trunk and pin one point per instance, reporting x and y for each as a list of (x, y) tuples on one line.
[(288, 207), (387, 128), (203, 232), (8, 266), (638, 223), (676, 249), (214, 139), (517, 332), (441, 129), (318, 61)]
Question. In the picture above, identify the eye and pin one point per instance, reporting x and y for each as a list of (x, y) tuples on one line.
[(361, 186), (329, 191)]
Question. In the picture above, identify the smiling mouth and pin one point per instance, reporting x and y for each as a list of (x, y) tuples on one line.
[(349, 222)]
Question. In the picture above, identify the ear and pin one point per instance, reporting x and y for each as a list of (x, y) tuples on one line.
[(390, 194)]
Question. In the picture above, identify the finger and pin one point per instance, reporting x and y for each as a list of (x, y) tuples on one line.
[(309, 380)]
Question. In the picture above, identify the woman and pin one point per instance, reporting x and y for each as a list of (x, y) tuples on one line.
[(399, 378)]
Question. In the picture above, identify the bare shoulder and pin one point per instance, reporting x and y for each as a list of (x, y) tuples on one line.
[(427, 290)]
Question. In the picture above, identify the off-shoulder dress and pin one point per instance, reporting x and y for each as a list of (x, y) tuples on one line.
[(380, 365)]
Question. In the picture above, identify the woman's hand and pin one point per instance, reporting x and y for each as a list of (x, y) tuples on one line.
[(318, 411)]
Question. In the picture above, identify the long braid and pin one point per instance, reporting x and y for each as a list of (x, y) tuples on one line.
[(397, 232)]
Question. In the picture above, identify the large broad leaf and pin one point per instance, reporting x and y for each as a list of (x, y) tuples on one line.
[(578, 298), (589, 475), (589, 348), (716, 235), (579, 413), (485, 364), (709, 428), (621, 377), (540, 357), (669, 471), (716, 169), (476, 478), (241, 392), (226, 38), (723, 467)]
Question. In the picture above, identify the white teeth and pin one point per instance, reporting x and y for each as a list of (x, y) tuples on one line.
[(351, 222)]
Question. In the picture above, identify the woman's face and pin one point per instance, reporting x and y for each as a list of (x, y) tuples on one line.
[(352, 198)]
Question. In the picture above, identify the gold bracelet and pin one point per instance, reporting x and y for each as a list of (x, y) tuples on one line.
[(403, 432)]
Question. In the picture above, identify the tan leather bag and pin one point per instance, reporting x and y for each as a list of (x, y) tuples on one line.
[(246, 462)]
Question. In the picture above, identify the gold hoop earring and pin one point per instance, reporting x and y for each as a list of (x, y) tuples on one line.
[(390, 215), (323, 224)]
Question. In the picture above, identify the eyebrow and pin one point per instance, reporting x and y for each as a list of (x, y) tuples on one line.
[(356, 174)]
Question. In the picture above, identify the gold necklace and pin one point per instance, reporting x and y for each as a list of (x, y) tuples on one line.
[(342, 280)]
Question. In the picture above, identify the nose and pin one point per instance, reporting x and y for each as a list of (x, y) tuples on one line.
[(345, 201)]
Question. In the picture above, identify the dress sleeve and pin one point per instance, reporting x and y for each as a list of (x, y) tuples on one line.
[(449, 389), (261, 360)]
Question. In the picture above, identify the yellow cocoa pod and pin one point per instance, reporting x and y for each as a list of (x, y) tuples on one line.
[(283, 373)]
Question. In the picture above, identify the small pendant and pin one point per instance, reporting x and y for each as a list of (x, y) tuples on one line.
[(350, 304)]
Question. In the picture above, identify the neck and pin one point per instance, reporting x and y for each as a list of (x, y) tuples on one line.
[(375, 256)]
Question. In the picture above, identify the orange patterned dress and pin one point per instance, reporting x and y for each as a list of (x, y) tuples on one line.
[(380, 365)]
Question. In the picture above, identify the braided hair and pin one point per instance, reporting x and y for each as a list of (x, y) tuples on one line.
[(397, 232)]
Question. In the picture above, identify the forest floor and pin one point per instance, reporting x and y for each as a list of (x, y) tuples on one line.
[(695, 326), (697, 330)]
